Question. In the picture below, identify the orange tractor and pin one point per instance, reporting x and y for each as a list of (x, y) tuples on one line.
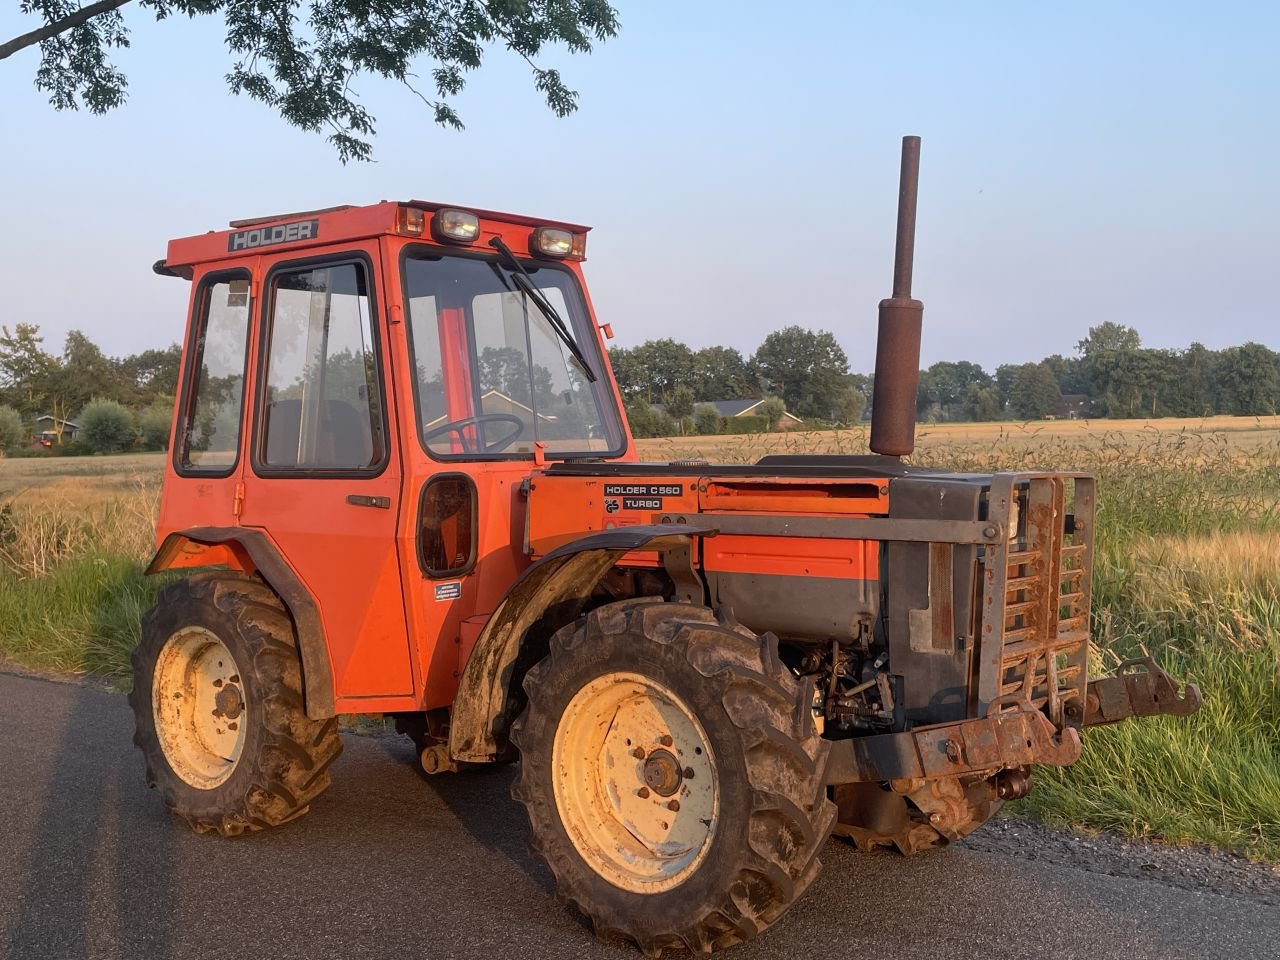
[(401, 483)]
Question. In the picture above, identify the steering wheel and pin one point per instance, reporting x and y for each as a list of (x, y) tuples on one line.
[(496, 446)]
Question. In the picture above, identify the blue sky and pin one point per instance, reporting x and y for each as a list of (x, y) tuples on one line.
[(1081, 162)]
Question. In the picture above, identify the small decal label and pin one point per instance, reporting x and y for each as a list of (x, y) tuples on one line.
[(611, 505), (271, 235), (643, 489), (449, 591), (642, 503)]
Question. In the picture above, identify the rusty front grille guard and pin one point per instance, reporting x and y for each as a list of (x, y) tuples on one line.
[(1034, 645), (1033, 653)]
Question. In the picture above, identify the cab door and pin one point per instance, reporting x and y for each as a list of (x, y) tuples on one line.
[(324, 472)]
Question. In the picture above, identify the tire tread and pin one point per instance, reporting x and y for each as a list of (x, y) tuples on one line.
[(291, 768), (791, 816)]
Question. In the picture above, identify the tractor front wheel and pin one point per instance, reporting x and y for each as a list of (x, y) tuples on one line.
[(672, 775), (218, 710)]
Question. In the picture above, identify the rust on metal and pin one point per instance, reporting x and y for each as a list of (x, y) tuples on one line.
[(941, 597), (1140, 688), (914, 815), (893, 406), (989, 744), (1035, 625)]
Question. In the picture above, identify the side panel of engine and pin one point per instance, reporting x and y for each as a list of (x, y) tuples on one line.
[(931, 589)]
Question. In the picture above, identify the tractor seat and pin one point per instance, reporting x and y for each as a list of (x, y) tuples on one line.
[(344, 439)]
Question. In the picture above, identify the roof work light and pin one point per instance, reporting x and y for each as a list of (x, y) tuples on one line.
[(557, 242), (455, 226)]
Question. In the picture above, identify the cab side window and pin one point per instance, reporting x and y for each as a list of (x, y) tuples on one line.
[(322, 399), (209, 441), (447, 526)]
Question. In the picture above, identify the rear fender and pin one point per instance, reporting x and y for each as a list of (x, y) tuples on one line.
[(250, 552), (558, 585)]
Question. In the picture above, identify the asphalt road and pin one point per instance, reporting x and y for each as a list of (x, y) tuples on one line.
[(391, 865)]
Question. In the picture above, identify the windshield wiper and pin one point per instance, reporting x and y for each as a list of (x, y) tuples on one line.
[(520, 277)]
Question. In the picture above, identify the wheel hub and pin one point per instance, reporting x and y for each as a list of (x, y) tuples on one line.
[(662, 773), (229, 702)]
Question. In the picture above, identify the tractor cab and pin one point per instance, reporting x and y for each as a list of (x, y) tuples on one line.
[(365, 393)]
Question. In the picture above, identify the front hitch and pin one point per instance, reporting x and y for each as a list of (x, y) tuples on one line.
[(1133, 692)]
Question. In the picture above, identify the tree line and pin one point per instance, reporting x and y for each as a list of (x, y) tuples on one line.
[(117, 402), (122, 402), (666, 385), (1111, 375)]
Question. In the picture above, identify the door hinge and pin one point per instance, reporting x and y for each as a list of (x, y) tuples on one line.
[(237, 504)]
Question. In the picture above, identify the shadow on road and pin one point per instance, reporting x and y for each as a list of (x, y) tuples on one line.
[(94, 875), (481, 801)]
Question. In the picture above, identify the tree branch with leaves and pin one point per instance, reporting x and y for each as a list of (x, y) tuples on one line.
[(304, 59)]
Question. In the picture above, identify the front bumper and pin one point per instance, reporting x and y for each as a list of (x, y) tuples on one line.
[(1012, 739)]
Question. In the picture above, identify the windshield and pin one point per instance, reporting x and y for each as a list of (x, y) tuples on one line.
[(491, 374)]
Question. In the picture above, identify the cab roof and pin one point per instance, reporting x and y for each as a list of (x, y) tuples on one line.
[(322, 227)]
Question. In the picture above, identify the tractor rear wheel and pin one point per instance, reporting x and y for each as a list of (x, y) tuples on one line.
[(673, 775), (218, 710)]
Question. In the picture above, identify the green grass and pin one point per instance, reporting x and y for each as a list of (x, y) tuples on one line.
[(1187, 567), (82, 617), (75, 536), (1209, 610)]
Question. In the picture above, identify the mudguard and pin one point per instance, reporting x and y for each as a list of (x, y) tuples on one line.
[(251, 552), (560, 583)]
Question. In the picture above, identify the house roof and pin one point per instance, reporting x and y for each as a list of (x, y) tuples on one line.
[(65, 423), (742, 408), (731, 408), (734, 408), (547, 418)]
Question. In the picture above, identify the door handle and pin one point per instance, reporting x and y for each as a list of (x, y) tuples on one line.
[(361, 500)]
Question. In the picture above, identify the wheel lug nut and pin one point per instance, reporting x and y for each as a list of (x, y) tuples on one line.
[(665, 740), (643, 793), (674, 806)]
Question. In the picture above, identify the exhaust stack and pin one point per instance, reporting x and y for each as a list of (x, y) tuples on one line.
[(893, 403)]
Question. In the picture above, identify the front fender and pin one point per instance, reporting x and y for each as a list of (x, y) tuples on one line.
[(564, 579)]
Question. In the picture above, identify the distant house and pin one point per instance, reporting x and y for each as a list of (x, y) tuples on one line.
[(1072, 406), (47, 427), (495, 401), (748, 408)]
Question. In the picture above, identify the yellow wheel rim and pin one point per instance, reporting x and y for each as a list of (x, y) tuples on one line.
[(635, 782), (197, 701)]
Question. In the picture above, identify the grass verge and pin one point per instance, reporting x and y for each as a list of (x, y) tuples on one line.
[(81, 617), (1208, 609)]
